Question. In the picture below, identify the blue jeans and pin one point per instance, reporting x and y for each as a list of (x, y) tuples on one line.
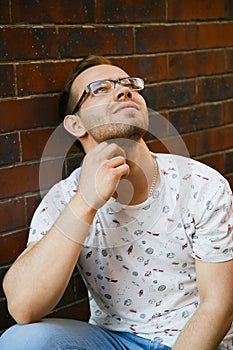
[(64, 334)]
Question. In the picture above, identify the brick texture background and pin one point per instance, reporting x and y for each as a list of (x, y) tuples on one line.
[(183, 49)]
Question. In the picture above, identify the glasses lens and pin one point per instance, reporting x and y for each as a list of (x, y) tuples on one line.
[(133, 83), (106, 86), (101, 87)]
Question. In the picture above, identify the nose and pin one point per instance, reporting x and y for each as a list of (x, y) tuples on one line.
[(122, 93)]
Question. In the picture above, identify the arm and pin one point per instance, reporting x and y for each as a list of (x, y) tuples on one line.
[(213, 318), (38, 278)]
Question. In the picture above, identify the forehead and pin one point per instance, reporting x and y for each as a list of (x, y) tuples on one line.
[(103, 71)]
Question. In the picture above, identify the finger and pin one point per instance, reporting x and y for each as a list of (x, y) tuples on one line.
[(99, 148), (113, 150), (116, 161), (122, 170)]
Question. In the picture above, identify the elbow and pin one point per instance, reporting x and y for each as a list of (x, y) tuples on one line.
[(18, 308), (21, 314)]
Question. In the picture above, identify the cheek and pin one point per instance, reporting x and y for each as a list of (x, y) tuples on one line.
[(141, 100), (96, 105), (94, 115)]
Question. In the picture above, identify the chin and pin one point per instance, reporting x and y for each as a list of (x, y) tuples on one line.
[(117, 131)]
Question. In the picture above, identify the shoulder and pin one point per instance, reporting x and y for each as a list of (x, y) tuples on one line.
[(51, 206), (64, 189), (195, 182), (187, 167)]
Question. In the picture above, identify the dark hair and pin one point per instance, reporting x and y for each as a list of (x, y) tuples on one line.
[(64, 99)]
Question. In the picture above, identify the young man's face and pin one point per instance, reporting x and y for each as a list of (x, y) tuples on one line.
[(119, 114)]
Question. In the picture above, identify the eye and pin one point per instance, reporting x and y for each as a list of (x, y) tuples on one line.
[(101, 87), (127, 82), (132, 83)]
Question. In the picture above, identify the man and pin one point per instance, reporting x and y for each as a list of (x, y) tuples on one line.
[(152, 235)]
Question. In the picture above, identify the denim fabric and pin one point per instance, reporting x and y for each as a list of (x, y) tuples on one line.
[(62, 334)]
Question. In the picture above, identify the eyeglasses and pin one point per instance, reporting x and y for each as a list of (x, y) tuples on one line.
[(102, 87)]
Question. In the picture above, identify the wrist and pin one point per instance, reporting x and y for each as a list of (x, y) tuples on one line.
[(82, 209), (75, 220)]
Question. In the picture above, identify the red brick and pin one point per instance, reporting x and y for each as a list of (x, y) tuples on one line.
[(29, 178), (157, 146), (4, 12), (33, 143), (9, 149), (184, 146), (31, 43), (130, 11), (229, 162), (7, 87), (228, 108), (12, 214), (228, 9), (44, 11), (18, 180), (78, 42), (11, 246), (73, 162), (5, 320), (34, 78), (215, 139), (229, 60), (76, 284), (229, 178), (158, 126), (151, 69), (215, 161), (79, 285), (79, 311), (215, 35), (183, 10), (197, 118), (32, 203), (193, 64), (28, 113), (50, 172), (160, 38), (3, 271), (190, 142), (45, 142), (168, 95), (215, 88), (68, 296)]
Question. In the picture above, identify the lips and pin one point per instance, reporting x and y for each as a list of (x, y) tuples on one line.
[(125, 105)]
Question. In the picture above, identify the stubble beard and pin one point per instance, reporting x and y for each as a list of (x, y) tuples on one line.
[(117, 130), (133, 127)]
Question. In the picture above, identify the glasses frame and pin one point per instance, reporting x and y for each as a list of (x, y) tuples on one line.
[(88, 90)]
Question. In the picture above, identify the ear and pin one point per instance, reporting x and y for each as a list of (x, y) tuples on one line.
[(73, 124)]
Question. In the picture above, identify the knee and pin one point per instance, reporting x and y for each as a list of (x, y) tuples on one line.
[(33, 336)]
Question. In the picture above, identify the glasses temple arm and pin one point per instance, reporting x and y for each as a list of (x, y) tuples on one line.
[(77, 106)]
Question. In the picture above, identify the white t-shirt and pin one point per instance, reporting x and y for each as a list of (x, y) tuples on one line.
[(138, 262)]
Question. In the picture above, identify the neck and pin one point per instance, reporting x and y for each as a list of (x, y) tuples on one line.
[(142, 178)]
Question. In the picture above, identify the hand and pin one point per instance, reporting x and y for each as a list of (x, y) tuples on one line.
[(102, 169)]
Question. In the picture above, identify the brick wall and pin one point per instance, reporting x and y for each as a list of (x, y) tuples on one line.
[(184, 50)]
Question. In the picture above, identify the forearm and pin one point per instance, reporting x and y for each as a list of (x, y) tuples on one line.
[(37, 280), (205, 330)]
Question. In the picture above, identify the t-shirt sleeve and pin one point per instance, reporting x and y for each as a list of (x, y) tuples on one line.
[(52, 205), (47, 212), (213, 238)]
